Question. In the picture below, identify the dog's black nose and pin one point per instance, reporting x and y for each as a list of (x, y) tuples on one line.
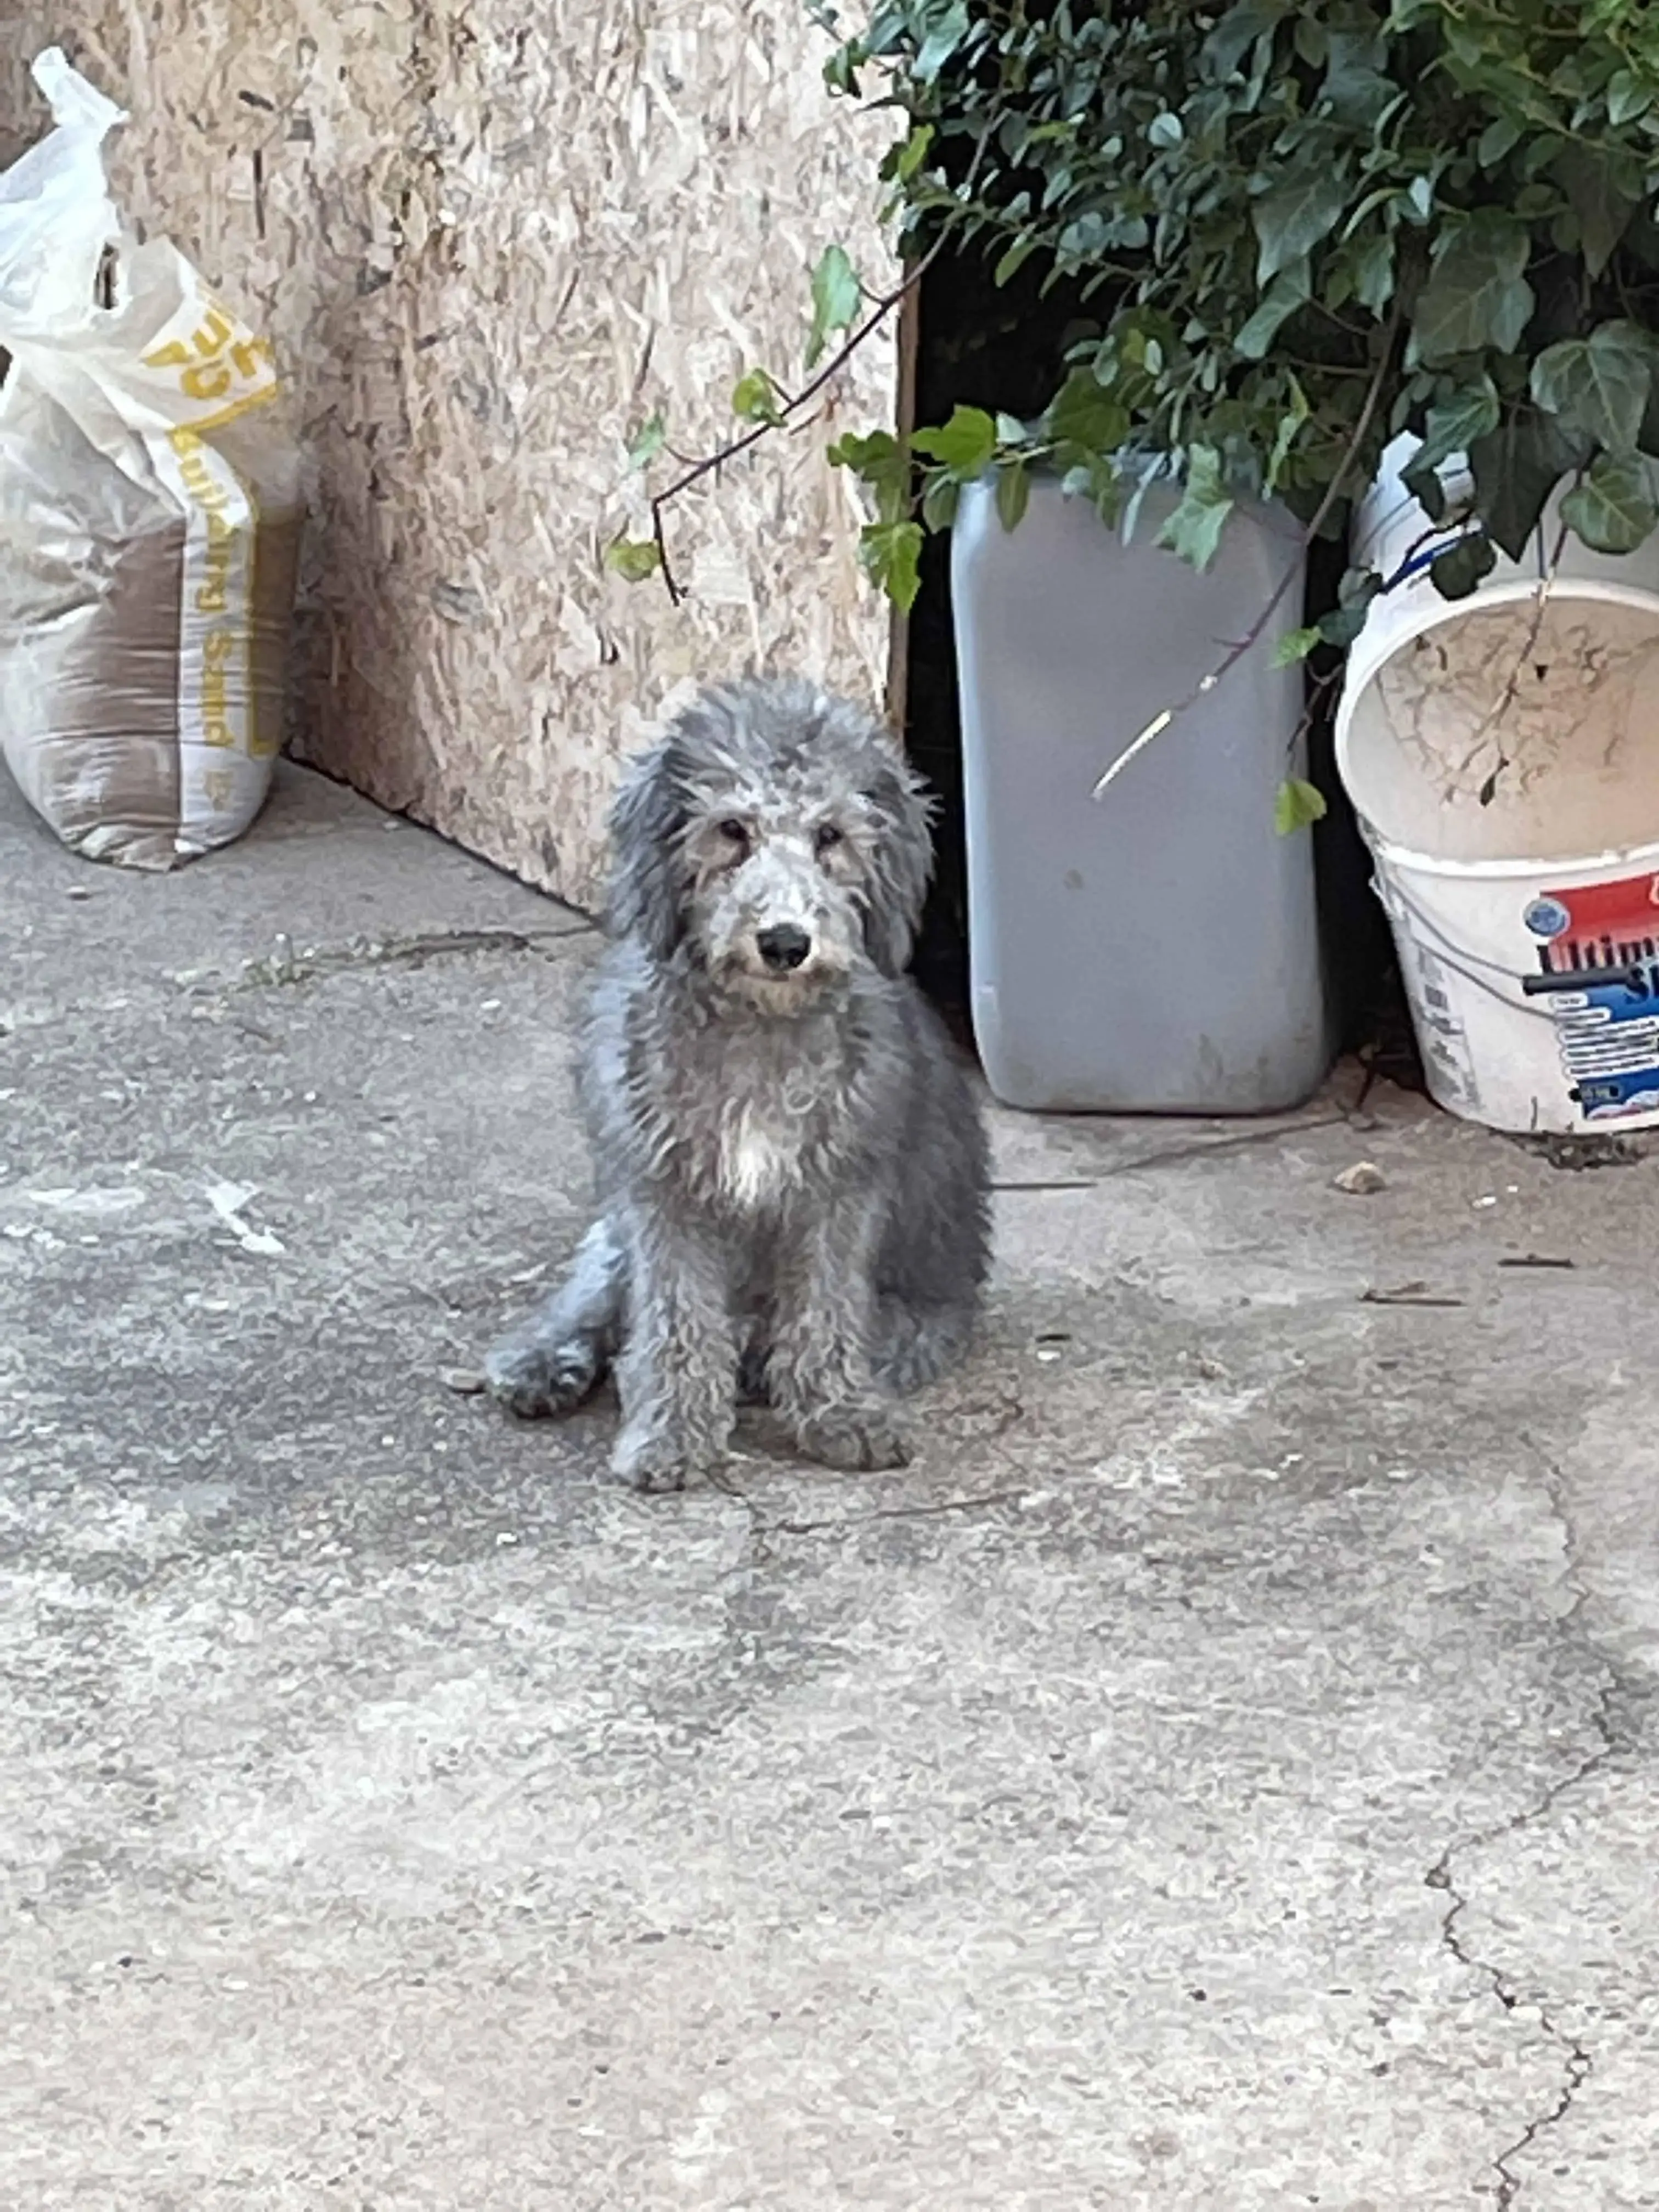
[(784, 947)]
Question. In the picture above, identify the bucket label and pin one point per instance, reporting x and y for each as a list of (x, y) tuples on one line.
[(1598, 975), (1442, 1037)]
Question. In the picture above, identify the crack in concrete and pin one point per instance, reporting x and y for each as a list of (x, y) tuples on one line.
[(1579, 2061), (285, 966), (1005, 1414), (1175, 1155), (760, 1527), (1579, 2067), (1219, 1147), (893, 1513)]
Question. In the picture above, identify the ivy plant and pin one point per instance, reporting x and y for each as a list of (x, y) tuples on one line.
[(1293, 229), (1298, 230)]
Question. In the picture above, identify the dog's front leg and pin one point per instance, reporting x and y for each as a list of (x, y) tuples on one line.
[(677, 1371), (820, 1374)]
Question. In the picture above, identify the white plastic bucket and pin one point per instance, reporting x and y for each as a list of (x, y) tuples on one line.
[(1504, 760)]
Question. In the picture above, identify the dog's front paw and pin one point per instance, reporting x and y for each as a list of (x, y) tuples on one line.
[(858, 1437), (649, 1460), (535, 1380)]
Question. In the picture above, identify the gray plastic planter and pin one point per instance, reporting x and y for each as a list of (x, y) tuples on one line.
[(1157, 951)]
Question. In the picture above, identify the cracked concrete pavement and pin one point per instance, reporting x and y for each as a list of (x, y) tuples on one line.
[(1219, 1773)]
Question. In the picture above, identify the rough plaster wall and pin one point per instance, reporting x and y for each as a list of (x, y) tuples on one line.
[(488, 240)]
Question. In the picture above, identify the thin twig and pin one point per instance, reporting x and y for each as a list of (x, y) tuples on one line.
[(1494, 716), (790, 403), (1235, 653), (1317, 689)]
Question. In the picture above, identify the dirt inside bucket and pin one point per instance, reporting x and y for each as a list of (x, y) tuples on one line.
[(1515, 732)]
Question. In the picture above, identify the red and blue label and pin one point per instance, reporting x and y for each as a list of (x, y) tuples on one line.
[(1598, 975)]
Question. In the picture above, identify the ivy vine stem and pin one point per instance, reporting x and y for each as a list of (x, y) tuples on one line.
[(1253, 636), (1492, 721), (790, 403)]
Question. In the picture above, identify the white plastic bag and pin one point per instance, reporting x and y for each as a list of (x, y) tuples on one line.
[(150, 518)]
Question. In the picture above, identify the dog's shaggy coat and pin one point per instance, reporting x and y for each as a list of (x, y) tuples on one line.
[(791, 1164)]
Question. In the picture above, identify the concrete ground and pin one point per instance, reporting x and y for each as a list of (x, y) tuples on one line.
[(1219, 1773)]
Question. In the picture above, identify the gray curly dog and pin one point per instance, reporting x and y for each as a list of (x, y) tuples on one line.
[(790, 1164)]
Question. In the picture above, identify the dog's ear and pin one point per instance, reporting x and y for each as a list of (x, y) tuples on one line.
[(646, 819), (901, 862)]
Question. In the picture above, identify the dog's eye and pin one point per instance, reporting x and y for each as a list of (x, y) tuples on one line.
[(734, 831), (828, 837)]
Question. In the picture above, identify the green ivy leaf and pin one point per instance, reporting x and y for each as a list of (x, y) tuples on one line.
[(1296, 645), (1287, 292), (1238, 31), (1453, 425), (891, 554), (965, 444), (938, 502), (1598, 385), (1516, 469), (633, 559), (1194, 531), (1627, 97), (1358, 587), (1373, 272), (754, 398), (914, 152), (880, 463), (1477, 294), (1013, 494), (648, 440), (1289, 430), (1353, 87), (1296, 804), (836, 298), (1341, 626), (1293, 219), (1455, 572), (841, 71), (1345, 620), (1312, 41), (1613, 509), (1497, 141), (864, 452), (1015, 258), (1601, 206), (1082, 414), (1422, 480), (945, 32)]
